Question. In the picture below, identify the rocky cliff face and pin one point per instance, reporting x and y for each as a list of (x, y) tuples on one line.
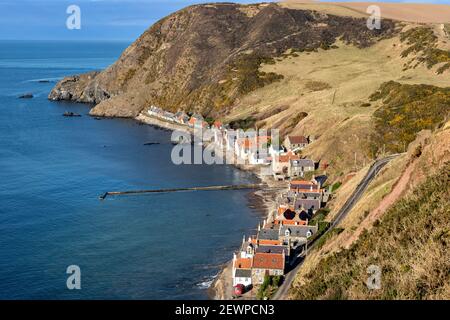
[(204, 57)]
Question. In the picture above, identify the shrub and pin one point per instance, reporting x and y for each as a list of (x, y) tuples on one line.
[(422, 41), (406, 110), (336, 186), (317, 85), (269, 286)]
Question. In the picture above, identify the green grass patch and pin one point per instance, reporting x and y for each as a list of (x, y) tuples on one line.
[(330, 234), (269, 287), (335, 186)]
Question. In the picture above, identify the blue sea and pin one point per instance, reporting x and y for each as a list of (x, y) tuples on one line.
[(53, 169)]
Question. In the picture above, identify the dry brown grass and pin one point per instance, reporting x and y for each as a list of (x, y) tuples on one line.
[(336, 115), (435, 153), (410, 245), (412, 12)]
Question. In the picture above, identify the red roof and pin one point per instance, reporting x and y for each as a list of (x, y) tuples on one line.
[(303, 183), (288, 156), (268, 261), (292, 222), (265, 242), (250, 142), (243, 263), (298, 140)]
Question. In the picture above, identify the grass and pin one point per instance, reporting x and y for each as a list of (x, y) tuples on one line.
[(324, 238), (322, 227), (319, 216), (422, 41), (410, 245), (293, 122), (337, 118), (246, 123), (336, 186), (406, 110), (128, 75), (244, 76), (269, 287), (317, 85)]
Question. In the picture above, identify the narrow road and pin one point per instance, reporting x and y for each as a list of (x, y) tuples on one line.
[(281, 294)]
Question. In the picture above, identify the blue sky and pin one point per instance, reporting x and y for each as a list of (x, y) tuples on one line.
[(100, 19)]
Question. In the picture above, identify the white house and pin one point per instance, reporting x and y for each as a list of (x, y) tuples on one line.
[(271, 264), (298, 167), (252, 149), (242, 271), (242, 276), (155, 111)]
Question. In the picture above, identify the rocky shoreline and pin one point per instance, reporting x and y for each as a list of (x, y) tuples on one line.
[(162, 124)]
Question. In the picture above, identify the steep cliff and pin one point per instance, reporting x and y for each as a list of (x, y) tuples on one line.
[(204, 57)]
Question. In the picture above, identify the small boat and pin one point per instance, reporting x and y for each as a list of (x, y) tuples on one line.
[(71, 114), (26, 96), (150, 143)]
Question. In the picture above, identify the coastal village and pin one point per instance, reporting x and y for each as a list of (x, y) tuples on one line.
[(263, 258)]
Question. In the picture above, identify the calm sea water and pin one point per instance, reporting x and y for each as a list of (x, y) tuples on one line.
[(52, 170)]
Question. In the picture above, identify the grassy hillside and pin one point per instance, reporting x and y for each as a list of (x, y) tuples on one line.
[(326, 94), (422, 43), (406, 110), (205, 57), (410, 245)]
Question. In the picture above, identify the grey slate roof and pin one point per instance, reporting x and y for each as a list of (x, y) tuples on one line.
[(243, 273), (298, 231), (271, 249), (303, 163), (307, 204), (321, 179), (268, 234), (308, 195)]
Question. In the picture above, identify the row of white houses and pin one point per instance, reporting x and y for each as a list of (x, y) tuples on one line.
[(256, 149), (194, 121)]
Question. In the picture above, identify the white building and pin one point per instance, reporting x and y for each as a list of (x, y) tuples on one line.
[(242, 271)]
